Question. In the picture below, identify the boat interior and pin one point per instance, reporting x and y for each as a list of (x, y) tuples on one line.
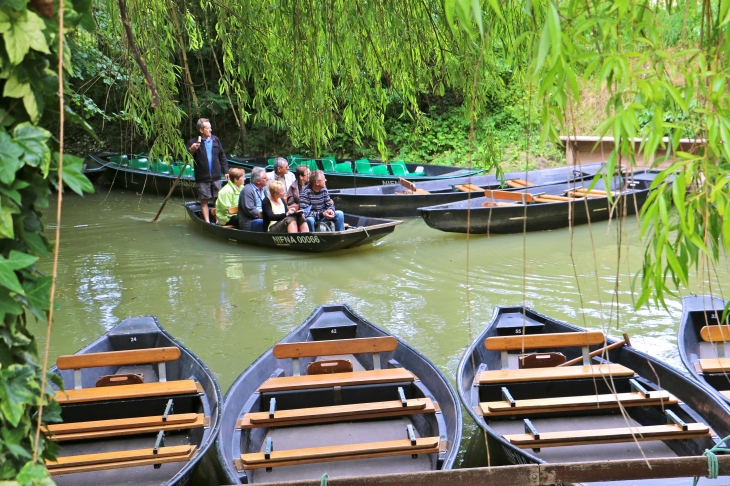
[(338, 403), (586, 408), (713, 348), (127, 408)]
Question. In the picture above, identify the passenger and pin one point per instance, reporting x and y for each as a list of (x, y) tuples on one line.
[(292, 195), (228, 197), (251, 200), (281, 173), (315, 200), (277, 217)]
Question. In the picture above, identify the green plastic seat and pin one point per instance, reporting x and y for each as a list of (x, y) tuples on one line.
[(160, 167), (328, 164), (119, 159), (270, 161), (291, 159), (380, 169), (312, 165), (398, 170), (402, 164), (362, 166), (343, 167), (189, 171), (141, 164)]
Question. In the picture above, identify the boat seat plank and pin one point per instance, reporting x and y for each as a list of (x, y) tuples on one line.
[(358, 411), (606, 436), (124, 392), (118, 358), (725, 393), (575, 403), (542, 341), (547, 374), (468, 188), (714, 365), (97, 429), (335, 346), (525, 197), (390, 375), (347, 452), (715, 334), (119, 459)]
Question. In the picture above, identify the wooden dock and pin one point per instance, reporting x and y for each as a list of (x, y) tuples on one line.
[(585, 149)]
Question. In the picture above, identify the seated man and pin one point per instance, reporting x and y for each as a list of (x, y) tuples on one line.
[(251, 200), (317, 205), (281, 173), (292, 195), (228, 197)]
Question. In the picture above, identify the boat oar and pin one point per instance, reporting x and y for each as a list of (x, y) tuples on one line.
[(615, 345), (174, 185)]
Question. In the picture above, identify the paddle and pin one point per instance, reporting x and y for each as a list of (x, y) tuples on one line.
[(169, 194), (615, 345)]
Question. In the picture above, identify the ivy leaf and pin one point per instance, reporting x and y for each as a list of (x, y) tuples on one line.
[(33, 141), (14, 395), (30, 102), (10, 154), (25, 32), (6, 218), (16, 261), (35, 474), (37, 294), (14, 88), (9, 305), (16, 4), (72, 175)]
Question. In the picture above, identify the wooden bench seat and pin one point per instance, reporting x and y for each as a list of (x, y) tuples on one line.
[(96, 429), (607, 436), (347, 452), (358, 411), (715, 333), (546, 374), (125, 392), (725, 393), (714, 365), (574, 403), (118, 358), (391, 375), (119, 459)]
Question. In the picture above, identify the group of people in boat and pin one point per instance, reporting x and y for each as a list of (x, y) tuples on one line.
[(278, 201)]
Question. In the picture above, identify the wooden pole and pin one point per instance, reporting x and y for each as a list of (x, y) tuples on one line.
[(543, 474), (618, 344), (174, 185)]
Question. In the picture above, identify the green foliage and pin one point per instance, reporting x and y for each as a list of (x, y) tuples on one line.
[(30, 98)]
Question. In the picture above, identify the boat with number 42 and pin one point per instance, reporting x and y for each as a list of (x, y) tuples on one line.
[(341, 396), (138, 408), (542, 208), (545, 391), (359, 231), (703, 343)]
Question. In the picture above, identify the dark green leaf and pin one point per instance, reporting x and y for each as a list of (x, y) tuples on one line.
[(73, 177), (38, 293), (10, 158)]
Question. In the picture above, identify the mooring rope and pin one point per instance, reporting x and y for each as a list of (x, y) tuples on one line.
[(713, 467)]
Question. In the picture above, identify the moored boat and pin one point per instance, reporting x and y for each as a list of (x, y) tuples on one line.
[(703, 343), (367, 404), (138, 408), (359, 231), (542, 208), (404, 199), (607, 402)]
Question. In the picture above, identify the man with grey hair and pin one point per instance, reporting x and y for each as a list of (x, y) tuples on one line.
[(210, 164), (250, 201), (281, 173)]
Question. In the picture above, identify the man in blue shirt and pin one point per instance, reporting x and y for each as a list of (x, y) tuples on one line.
[(210, 164)]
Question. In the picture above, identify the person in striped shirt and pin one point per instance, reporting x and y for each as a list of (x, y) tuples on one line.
[(317, 205)]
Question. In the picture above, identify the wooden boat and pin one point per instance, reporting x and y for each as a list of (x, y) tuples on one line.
[(368, 404), (138, 408), (534, 411), (702, 342), (361, 231), (404, 199), (541, 208)]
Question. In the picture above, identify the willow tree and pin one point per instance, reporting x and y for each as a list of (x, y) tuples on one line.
[(304, 66)]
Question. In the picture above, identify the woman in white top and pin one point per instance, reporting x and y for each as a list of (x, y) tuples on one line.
[(278, 218)]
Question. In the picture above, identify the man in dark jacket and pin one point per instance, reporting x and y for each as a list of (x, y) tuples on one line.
[(210, 163)]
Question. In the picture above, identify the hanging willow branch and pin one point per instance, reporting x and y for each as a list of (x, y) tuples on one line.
[(135, 53)]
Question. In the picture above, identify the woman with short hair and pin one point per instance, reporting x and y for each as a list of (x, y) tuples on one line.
[(278, 218)]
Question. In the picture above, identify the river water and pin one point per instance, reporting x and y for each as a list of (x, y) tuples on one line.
[(229, 303)]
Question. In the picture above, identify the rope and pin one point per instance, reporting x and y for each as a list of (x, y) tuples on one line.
[(323, 481), (713, 467)]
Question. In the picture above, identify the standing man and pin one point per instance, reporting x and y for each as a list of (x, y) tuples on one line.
[(317, 205), (281, 173), (210, 163), (251, 200)]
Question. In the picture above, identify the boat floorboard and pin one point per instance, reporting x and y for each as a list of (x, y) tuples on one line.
[(133, 476), (337, 434)]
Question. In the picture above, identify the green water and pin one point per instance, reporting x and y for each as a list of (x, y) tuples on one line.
[(229, 303)]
